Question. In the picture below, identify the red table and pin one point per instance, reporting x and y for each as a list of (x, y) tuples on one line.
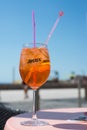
[(58, 119)]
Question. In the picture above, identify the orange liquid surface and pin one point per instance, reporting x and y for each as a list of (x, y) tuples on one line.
[(34, 66)]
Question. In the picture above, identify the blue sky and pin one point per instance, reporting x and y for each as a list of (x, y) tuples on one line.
[(67, 46)]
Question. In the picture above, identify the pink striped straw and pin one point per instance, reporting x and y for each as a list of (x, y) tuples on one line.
[(54, 27), (34, 29)]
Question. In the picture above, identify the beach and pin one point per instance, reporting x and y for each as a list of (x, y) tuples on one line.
[(49, 99)]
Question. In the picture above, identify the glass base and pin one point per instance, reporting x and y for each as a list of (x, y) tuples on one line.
[(34, 123)]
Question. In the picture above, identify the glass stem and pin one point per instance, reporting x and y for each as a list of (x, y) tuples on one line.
[(34, 116)]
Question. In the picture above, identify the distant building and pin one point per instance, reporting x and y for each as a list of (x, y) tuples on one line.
[(82, 79)]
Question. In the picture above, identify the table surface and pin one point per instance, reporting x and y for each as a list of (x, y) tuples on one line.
[(58, 119)]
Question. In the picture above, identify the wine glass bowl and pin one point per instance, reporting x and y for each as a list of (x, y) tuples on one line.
[(34, 69)]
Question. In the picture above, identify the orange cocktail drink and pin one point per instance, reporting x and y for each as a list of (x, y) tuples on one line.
[(34, 66), (34, 69)]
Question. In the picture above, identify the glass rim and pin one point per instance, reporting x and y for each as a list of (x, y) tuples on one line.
[(37, 43)]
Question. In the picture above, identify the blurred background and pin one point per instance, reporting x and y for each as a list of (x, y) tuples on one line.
[(67, 49)]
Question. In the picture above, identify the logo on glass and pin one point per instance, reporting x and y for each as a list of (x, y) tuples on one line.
[(34, 60)]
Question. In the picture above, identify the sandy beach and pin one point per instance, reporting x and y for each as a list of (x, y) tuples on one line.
[(49, 99)]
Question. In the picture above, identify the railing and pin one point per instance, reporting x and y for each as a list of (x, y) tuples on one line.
[(51, 85)]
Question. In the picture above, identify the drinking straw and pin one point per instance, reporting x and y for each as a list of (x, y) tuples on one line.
[(54, 27), (34, 29)]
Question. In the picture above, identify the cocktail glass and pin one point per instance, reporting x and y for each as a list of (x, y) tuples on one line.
[(34, 69)]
